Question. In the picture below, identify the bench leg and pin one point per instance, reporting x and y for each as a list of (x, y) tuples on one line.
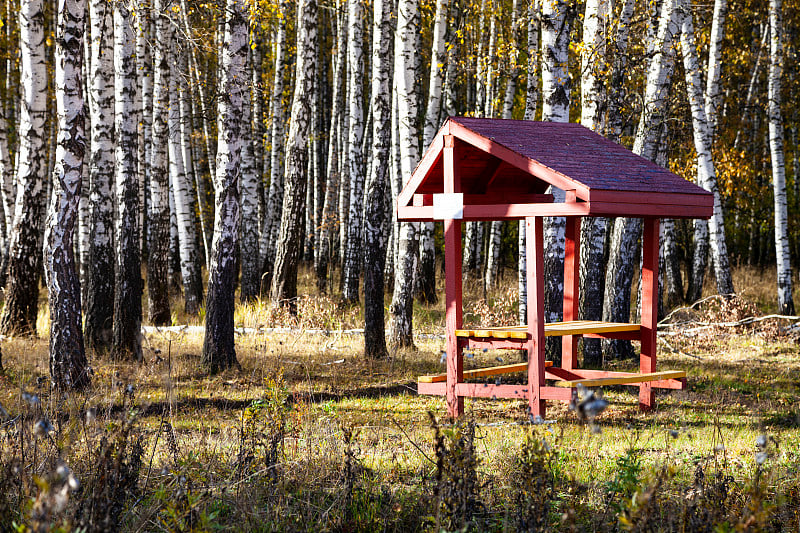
[(646, 397)]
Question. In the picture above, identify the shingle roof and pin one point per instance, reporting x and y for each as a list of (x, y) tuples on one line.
[(517, 156)]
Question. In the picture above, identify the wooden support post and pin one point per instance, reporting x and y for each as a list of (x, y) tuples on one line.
[(647, 360), (453, 284), (572, 246), (536, 352)]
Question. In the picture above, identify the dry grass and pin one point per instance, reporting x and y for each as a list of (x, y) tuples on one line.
[(311, 436)]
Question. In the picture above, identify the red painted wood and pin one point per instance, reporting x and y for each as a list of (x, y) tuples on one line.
[(520, 211), (531, 166), (572, 246), (496, 344), (574, 152), (487, 175), (624, 335), (432, 155), (666, 198), (453, 284), (491, 390), (535, 346), (526, 156), (580, 373), (649, 210), (499, 196), (422, 199), (647, 360)]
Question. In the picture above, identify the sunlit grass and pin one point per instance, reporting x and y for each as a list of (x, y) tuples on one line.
[(741, 385)]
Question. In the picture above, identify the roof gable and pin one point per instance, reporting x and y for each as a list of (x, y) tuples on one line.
[(499, 159)]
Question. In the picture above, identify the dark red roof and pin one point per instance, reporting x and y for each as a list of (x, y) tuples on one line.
[(518, 156)]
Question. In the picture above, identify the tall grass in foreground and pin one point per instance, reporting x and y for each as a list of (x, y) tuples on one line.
[(309, 436), (66, 466)]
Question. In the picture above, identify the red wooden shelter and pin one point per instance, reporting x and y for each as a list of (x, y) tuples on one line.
[(488, 169)]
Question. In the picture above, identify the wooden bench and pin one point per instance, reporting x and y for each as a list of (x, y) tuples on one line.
[(622, 380), (481, 372), (554, 329)]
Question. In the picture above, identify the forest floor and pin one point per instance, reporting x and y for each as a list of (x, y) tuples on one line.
[(308, 435)]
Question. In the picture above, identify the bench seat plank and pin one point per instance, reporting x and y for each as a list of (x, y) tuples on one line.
[(481, 372), (621, 380), (554, 329)]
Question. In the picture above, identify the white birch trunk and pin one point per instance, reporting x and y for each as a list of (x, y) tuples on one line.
[(158, 213), (284, 282), (344, 160), (593, 56), (555, 77), (24, 261), (100, 288), (7, 187), (493, 254), (706, 171), (626, 232), (218, 346), (127, 343), (330, 208), (713, 96), (144, 67), (427, 258), (376, 216), (192, 169), (531, 106), (184, 206), (516, 44), (616, 93), (201, 97), (68, 365), (785, 300), (555, 108), (352, 251), (593, 229), (532, 89), (248, 245), (489, 108), (401, 308), (275, 199)]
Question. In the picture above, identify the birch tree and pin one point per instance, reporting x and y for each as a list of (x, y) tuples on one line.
[(25, 244), (330, 206), (593, 229), (401, 308), (100, 290), (275, 198), (626, 232), (218, 347), (144, 67), (531, 105), (785, 300), (555, 108), (191, 279), (376, 217), (7, 192), (433, 119), (706, 171), (127, 342), (355, 167), (284, 282), (249, 264), (68, 366), (158, 213)]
